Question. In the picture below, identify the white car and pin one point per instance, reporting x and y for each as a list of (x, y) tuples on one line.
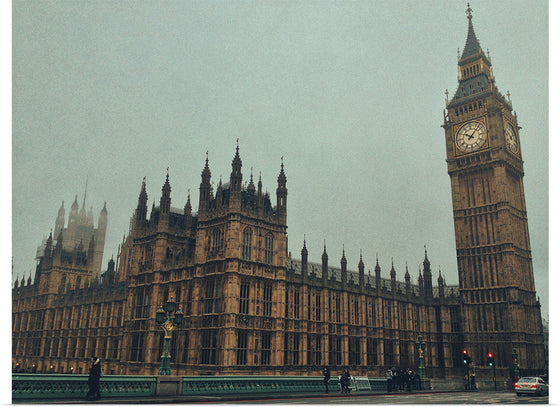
[(531, 385)]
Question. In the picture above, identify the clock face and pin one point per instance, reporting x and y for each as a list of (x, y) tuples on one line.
[(511, 138), (471, 137)]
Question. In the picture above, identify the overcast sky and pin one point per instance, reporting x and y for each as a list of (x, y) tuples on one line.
[(350, 94)]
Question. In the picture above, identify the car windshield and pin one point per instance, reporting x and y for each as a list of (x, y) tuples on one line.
[(528, 379)]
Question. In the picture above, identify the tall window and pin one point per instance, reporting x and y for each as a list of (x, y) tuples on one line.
[(296, 303), (244, 298), (184, 344), (317, 306), (137, 347), (291, 349), (208, 347), (216, 240), (371, 352), (242, 348), (314, 350), (389, 350), (267, 300), (246, 250), (335, 350), (268, 249), (354, 351), (212, 297), (265, 348), (142, 301)]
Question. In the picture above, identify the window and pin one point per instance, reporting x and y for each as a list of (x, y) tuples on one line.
[(242, 348), (354, 351), (184, 344), (291, 349), (137, 347), (244, 298), (335, 350), (296, 303), (314, 350), (268, 249), (267, 300), (265, 350), (217, 240), (389, 352), (212, 297), (141, 307), (371, 352), (246, 249), (317, 306), (208, 347)]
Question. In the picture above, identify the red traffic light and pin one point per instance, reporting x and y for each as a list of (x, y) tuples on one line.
[(490, 355), (464, 351)]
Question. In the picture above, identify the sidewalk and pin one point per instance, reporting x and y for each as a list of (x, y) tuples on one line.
[(223, 398)]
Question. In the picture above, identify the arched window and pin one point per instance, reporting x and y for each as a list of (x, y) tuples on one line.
[(216, 240), (268, 249), (246, 250)]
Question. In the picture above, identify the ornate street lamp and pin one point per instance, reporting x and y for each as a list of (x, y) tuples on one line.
[(168, 323), (421, 347)]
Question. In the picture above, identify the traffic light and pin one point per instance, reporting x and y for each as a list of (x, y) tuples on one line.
[(465, 357), (490, 359)]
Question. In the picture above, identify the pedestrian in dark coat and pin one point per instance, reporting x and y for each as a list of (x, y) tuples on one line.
[(326, 378), (93, 380)]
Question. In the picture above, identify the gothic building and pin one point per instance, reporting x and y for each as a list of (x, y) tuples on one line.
[(250, 308)]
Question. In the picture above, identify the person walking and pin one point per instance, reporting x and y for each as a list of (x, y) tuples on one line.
[(326, 378), (389, 375), (93, 380)]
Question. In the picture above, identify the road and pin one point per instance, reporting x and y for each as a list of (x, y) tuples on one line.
[(427, 398)]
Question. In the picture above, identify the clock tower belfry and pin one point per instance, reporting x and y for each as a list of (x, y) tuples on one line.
[(500, 311)]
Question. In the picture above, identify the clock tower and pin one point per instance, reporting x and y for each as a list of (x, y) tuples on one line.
[(501, 313)]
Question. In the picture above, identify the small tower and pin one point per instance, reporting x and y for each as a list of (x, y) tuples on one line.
[(427, 276), (407, 281), (393, 273), (377, 274), (440, 285), (325, 262), (281, 193), (205, 187), (304, 260), (343, 271), (361, 276), (60, 220), (142, 207), (165, 201)]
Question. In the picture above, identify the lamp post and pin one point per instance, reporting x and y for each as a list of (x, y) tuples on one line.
[(421, 347), (165, 319), (515, 363)]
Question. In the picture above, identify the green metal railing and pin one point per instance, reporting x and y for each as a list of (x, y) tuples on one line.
[(29, 387), (206, 385), (74, 386)]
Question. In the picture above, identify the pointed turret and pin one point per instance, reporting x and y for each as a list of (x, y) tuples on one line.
[(236, 177), (60, 220), (102, 222), (74, 211), (420, 282), (142, 207), (441, 288), (427, 275), (343, 264), (165, 201), (361, 276), (281, 192), (476, 78), (325, 263), (393, 274), (251, 187), (407, 281), (377, 274), (304, 259), (205, 187)]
